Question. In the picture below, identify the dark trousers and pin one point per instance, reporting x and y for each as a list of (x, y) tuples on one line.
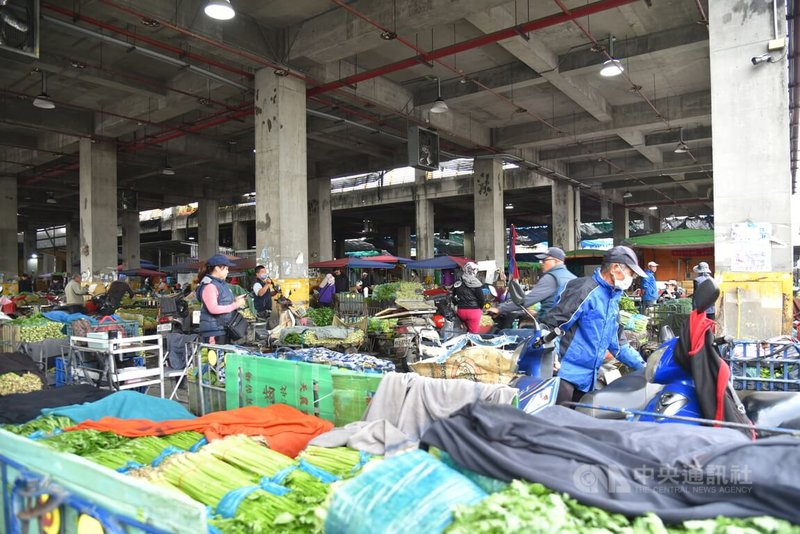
[(567, 392)]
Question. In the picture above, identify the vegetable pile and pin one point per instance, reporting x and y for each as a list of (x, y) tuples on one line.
[(381, 326), (46, 424), (37, 328), (354, 338), (320, 316), (531, 508), (11, 383)]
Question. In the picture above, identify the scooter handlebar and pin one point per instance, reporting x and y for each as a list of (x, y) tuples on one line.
[(557, 332)]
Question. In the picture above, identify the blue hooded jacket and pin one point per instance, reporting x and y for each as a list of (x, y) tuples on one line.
[(649, 287), (588, 313)]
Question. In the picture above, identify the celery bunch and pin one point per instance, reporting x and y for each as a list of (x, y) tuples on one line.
[(340, 461)]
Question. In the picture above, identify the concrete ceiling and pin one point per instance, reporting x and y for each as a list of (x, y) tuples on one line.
[(171, 85)]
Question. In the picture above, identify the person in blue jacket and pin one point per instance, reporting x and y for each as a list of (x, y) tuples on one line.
[(649, 286), (587, 313)]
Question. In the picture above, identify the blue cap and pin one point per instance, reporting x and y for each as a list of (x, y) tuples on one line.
[(219, 259)]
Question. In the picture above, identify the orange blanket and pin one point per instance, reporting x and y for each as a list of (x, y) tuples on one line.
[(286, 429)]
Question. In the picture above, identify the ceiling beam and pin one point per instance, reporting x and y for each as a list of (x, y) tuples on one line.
[(594, 170), (639, 116), (535, 53)]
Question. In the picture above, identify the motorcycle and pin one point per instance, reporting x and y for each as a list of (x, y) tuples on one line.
[(174, 314), (666, 391)]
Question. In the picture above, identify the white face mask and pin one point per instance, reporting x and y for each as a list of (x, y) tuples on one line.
[(625, 283)]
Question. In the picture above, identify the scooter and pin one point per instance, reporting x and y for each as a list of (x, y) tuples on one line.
[(174, 314), (665, 390)]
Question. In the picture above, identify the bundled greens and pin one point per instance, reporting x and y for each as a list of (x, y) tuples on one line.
[(340, 461), (46, 424), (356, 337), (381, 326), (531, 508), (627, 304), (84, 442)]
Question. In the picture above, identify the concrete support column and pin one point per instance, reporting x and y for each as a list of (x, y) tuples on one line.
[(131, 253), (8, 226), (98, 206), (73, 236), (178, 232), (424, 208), (469, 244), (621, 223), (207, 227), (403, 242), (30, 264), (239, 235), (281, 174), (566, 216), (320, 230), (490, 229), (751, 172)]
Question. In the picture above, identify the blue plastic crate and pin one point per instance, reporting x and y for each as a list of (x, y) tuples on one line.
[(763, 366)]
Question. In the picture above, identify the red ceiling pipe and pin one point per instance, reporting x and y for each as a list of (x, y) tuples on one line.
[(143, 38), (469, 44)]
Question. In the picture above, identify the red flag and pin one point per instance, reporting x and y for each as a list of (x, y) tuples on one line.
[(513, 270)]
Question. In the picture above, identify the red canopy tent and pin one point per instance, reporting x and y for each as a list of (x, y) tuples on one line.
[(142, 272), (388, 258)]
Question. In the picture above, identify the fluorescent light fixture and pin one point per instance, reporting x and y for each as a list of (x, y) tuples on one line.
[(34, 256), (167, 170), (612, 67), (509, 206), (653, 208), (439, 106), (219, 9), (627, 194)]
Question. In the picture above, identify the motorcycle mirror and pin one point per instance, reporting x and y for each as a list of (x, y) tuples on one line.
[(516, 292), (706, 294), (493, 291)]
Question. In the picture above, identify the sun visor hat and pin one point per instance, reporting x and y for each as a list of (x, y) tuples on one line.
[(219, 259), (624, 255)]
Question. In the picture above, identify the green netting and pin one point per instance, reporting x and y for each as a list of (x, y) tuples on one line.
[(352, 393), (260, 381)]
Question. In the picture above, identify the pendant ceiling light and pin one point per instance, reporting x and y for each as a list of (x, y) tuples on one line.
[(682, 147), (613, 66), (439, 105), (219, 9), (627, 194), (43, 101)]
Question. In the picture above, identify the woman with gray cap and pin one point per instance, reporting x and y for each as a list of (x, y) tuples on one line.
[(217, 300), (703, 272), (587, 313)]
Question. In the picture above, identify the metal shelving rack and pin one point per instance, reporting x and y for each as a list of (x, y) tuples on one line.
[(112, 349)]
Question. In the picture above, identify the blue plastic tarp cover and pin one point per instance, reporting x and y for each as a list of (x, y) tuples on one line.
[(124, 405)]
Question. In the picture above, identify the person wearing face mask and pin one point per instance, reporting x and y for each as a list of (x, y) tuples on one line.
[(262, 292), (587, 313)]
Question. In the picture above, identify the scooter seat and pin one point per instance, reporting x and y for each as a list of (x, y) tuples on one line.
[(772, 408), (631, 392)]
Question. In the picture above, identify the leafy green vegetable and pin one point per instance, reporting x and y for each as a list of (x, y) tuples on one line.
[(84, 442), (383, 292), (46, 424), (320, 316), (11, 383), (531, 508), (293, 339), (626, 304)]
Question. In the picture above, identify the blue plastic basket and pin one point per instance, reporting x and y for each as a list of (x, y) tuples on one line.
[(763, 366)]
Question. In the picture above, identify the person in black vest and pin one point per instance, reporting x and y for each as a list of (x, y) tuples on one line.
[(262, 292), (25, 283), (342, 283), (217, 299)]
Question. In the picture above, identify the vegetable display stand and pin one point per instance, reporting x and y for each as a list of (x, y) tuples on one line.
[(35, 477), (209, 397)]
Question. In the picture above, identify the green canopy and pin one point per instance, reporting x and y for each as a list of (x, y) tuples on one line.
[(677, 239)]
